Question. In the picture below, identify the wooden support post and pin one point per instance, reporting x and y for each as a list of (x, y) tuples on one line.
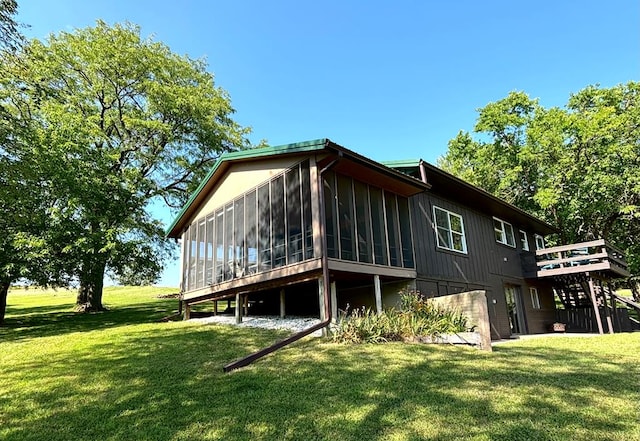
[(595, 305), (378, 293), (323, 316), (245, 304), (607, 312), (334, 303), (187, 311), (238, 308), (282, 304), (321, 297), (616, 316), (215, 307)]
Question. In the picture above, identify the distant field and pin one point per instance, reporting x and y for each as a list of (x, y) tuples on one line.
[(122, 375)]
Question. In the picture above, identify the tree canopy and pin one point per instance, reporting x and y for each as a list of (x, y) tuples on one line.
[(112, 124), (578, 167), (10, 37)]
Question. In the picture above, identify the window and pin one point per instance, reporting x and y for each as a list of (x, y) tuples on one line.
[(504, 232), (524, 240), (405, 232), (366, 223), (259, 230), (535, 300), (539, 242), (363, 219), (264, 228), (307, 222), (295, 252), (380, 256), (449, 230), (331, 222), (278, 222), (393, 229), (346, 224)]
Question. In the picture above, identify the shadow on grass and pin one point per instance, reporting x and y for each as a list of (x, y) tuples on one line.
[(167, 383), (44, 321)]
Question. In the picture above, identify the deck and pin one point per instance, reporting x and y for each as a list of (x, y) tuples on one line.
[(596, 256)]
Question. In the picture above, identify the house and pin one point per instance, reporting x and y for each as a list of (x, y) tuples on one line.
[(315, 228)]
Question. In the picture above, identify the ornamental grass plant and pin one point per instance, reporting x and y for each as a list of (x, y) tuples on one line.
[(417, 317)]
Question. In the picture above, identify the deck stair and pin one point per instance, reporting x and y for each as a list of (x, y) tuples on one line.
[(627, 301), (573, 291)]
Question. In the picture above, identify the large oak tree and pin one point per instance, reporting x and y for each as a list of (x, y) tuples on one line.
[(116, 123), (577, 167)]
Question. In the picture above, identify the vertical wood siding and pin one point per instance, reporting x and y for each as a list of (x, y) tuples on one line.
[(487, 264)]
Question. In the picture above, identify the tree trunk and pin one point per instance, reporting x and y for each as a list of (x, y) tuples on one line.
[(634, 284), (4, 290), (90, 292)]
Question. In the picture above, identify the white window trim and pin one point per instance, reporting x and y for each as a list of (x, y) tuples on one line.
[(464, 236), (535, 298), (541, 239), (524, 243), (504, 233)]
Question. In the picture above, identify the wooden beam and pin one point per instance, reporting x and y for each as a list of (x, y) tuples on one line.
[(187, 311), (614, 304), (316, 208), (378, 293), (368, 268), (607, 305), (595, 305), (573, 246), (215, 307), (238, 309), (299, 272), (334, 302), (321, 297)]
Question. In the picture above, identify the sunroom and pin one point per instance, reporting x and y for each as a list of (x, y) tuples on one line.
[(280, 229)]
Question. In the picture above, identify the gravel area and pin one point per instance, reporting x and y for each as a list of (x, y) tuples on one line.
[(293, 324)]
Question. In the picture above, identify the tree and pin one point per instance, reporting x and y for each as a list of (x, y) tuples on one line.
[(118, 123), (577, 167), (13, 213), (10, 37)]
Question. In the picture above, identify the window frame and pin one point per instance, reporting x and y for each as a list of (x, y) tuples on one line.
[(541, 238), (503, 232), (449, 230), (535, 297), (524, 243)]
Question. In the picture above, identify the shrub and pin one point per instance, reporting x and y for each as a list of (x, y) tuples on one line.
[(418, 317)]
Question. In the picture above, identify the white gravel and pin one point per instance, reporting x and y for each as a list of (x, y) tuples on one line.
[(293, 324)]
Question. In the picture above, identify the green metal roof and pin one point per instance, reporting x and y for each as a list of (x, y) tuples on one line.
[(298, 147), (402, 163)]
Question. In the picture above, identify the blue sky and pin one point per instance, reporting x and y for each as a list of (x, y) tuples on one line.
[(388, 79)]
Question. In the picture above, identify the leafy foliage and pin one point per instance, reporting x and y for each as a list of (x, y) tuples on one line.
[(10, 37), (104, 124), (577, 167), (418, 317)]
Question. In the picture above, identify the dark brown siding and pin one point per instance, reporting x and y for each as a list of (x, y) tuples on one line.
[(487, 265), (539, 320), (433, 262)]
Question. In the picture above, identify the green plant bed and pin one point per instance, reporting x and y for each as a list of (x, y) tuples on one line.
[(417, 318)]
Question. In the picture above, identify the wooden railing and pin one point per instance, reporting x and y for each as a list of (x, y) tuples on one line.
[(596, 255)]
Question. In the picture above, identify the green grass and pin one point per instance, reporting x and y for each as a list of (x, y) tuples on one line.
[(121, 375)]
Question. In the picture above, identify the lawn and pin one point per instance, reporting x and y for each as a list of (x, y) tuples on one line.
[(123, 375)]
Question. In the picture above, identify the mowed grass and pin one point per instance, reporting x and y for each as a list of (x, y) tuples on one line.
[(122, 375)]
